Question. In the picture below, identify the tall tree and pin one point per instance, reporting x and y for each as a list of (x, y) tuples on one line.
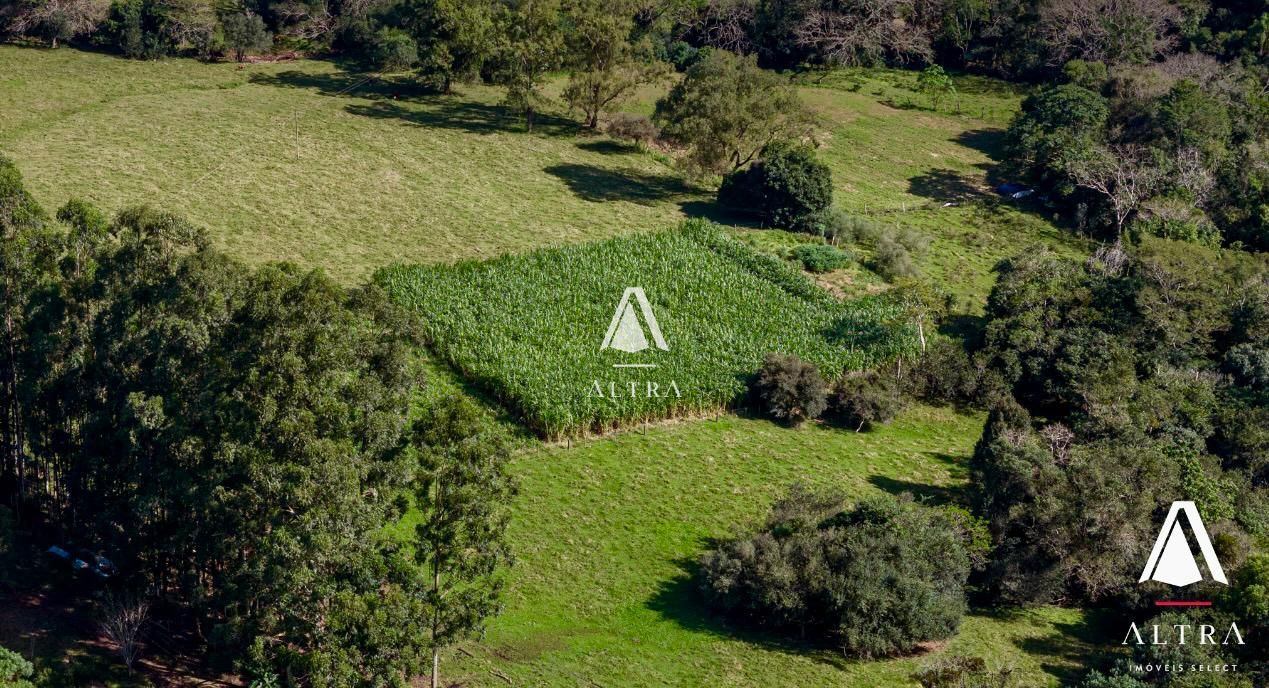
[(530, 45), (454, 37), (727, 109), (462, 499), (606, 66), (28, 249)]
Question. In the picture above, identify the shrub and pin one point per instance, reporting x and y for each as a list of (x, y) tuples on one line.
[(787, 187), (820, 258), (866, 399), (892, 260), (245, 33), (838, 226), (681, 54), (790, 389), (877, 579), (631, 127), (393, 50)]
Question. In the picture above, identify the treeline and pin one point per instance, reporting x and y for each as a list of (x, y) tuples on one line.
[(235, 441), (1014, 39), (1118, 385)]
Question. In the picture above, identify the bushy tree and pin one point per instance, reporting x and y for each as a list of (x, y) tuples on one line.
[(1121, 356), (877, 579), (866, 399), (935, 84), (1055, 124), (726, 110), (788, 186), (140, 29), (245, 33), (455, 39), (15, 671), (790, 389)]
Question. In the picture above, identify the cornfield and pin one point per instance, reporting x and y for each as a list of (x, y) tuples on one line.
[(528, 328)]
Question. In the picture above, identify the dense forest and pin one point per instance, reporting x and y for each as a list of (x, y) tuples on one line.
[(237, 437)]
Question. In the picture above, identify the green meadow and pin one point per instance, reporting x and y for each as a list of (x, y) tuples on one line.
[(608, 532)]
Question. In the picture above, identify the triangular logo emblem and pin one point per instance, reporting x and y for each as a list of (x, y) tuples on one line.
[(1172, 561), (625, 332)]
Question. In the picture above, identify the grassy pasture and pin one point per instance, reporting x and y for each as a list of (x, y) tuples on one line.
[(529, 327), (607, 533), (303, 161)]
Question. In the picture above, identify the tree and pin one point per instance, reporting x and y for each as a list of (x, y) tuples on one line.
[(122, 620), (1126, 175), (1054, 125), (15, 670), (726, 110), (460, 540), (935, 84), (866, 399), (1108, 30), (866, 32), (788, 186), (141, 29), (454, 37), (790, 389), (28, 250), (531, 44), (58, 19), (245, 33), (876, 579), (606, 66), (393, 50)]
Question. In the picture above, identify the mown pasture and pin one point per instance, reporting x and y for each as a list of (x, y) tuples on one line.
[(607, 534), (529, 327)]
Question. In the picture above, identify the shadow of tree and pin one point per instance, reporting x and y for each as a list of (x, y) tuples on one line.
[(452, 113), (349, 83), (929, 494), (678, 599), (990, 142), (1077, 645), (716, 212), (946, 185), (598, 184), (608, 147)]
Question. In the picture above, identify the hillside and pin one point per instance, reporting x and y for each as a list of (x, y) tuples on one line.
[(302, 161)]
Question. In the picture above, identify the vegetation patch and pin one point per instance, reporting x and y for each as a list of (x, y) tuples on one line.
[(530, 328)]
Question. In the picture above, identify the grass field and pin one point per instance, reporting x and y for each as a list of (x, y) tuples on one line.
[(528, 328), (607, 532), (302, 161)]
